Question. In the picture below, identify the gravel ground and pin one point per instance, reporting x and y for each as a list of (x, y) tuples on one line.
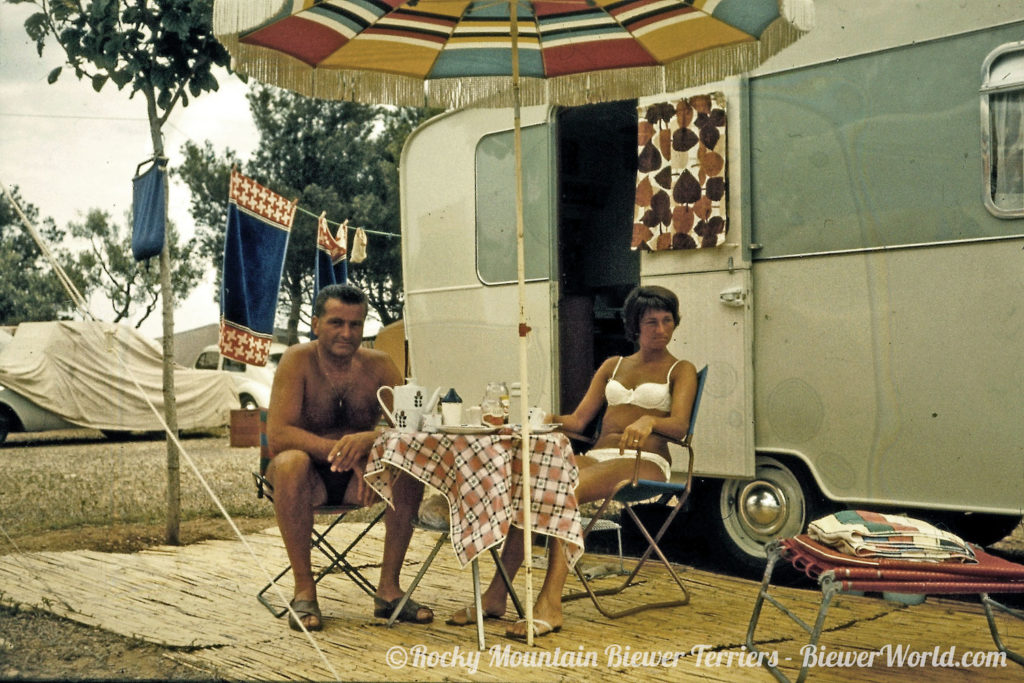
[(102, 482)]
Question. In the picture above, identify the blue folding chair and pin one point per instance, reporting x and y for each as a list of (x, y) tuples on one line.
[(635, 490)]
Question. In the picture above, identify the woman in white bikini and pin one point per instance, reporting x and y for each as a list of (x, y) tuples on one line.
[(648, 394)]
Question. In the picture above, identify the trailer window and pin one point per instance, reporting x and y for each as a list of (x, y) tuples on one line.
[(496, 206), (1002, 112)]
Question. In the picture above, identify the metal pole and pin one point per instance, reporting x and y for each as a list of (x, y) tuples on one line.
[(524, 330)]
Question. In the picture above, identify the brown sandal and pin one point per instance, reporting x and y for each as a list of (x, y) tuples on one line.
[(305, 608), (410, 612)]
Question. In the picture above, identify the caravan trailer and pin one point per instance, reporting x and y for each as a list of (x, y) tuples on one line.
[(863, 321)]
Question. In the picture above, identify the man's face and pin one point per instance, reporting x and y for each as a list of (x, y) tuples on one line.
[(340, 328)]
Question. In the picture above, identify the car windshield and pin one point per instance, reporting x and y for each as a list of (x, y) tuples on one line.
[(207, 360)]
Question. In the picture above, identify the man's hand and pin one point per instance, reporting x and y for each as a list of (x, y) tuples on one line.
[(350, 450), (365, 493)]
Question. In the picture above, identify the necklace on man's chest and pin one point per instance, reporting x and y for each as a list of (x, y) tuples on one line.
[(338, 393)]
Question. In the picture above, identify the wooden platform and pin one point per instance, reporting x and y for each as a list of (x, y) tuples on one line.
[(200, 601)]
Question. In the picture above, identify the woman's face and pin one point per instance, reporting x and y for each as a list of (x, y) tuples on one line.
[(655, 328)]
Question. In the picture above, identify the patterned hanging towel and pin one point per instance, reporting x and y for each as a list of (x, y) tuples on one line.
[(331, 264), (259, 222), (148, 213), (680, 183), (871, 534)]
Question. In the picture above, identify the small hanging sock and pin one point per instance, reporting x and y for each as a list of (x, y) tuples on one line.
[(359, 246)]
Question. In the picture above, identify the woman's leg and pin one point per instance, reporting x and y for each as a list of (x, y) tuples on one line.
[(597, 481)]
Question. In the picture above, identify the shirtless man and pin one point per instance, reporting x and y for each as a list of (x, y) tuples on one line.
[(321, 424), (648, 394)]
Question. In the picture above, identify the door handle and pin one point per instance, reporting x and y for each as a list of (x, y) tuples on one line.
[(734, 296)]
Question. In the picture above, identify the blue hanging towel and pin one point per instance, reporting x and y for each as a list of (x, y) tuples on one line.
[(148, 213), (259, 223)]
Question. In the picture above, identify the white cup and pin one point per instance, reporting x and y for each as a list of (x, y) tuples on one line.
[(451, 413), (431, 422), (536, 416), (474, 415), (408, 420)]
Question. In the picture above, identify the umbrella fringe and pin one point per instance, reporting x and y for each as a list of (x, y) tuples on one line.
[(780, 34), (239, 17), (370, 87)]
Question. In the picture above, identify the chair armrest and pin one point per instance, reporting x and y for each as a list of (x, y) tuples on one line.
[(685, 442), (577, 436)]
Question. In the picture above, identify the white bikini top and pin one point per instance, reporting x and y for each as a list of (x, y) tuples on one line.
[(649, 395)]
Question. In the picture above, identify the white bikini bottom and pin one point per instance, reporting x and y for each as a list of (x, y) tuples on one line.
[(605, 454)]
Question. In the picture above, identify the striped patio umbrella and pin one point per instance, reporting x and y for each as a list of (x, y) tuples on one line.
[(454, 53)]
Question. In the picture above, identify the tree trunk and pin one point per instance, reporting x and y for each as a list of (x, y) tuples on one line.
[(172, 533)]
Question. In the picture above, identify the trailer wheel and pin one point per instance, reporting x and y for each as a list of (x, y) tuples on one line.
[(983, 529), (746, 514)]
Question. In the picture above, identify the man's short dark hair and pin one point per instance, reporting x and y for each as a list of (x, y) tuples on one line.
[(643, 299), (346, 294)]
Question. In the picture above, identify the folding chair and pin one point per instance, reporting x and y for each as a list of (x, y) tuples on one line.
[(637, 490), (336, 560), (838, 573)]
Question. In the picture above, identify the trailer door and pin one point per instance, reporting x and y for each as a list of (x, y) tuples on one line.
[(714, 289)]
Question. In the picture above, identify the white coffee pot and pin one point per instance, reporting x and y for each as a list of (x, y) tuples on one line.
[(409, 404)]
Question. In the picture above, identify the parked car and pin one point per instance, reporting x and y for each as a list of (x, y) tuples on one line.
[(251, 381), (64, 375)]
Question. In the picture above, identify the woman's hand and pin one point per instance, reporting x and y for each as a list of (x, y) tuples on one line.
[(634, 436)]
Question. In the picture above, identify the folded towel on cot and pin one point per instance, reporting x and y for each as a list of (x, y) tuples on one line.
[(872, 534)]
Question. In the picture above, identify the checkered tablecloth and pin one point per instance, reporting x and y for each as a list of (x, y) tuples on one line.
[(481, 477)]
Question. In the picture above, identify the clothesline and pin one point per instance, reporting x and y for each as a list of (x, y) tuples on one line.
[(367, 230)]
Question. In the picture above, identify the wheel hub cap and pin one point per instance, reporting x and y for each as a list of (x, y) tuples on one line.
[(763, 507)]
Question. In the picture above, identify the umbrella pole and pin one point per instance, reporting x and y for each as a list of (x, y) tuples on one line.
[(524, 330)]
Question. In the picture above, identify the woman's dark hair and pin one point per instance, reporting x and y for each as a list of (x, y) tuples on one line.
[(643, 299), (346, 294)]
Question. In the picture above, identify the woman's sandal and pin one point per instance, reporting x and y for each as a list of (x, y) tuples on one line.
[(410, 612), (540, 628), (468, 615)]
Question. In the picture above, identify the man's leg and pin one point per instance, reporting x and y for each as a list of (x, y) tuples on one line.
[(406, 494), (297, 490)]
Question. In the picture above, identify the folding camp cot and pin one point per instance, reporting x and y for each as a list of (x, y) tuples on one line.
[(838, 573)]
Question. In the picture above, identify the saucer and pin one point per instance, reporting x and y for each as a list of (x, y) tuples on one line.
[(542, 429), (468, 429)]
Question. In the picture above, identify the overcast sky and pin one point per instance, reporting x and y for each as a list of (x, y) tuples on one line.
[(69, 149)]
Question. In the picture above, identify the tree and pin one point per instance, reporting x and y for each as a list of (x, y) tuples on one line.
[(29, 290), (336, 157), (109, 266), (165, 50)]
